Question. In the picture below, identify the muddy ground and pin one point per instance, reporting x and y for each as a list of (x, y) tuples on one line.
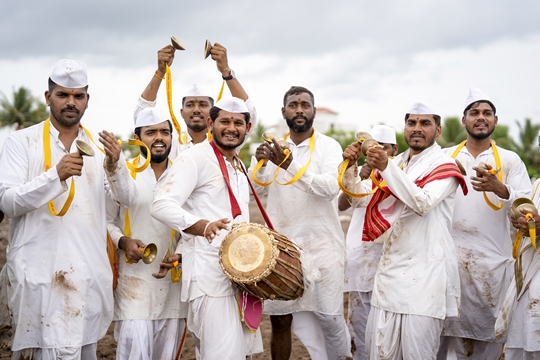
[(107, 345)]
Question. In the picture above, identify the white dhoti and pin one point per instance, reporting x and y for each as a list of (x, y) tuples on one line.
[(393, 336), (148, 339), (87, 352), (322, 335), (454, 348), (521, 354), (215, 323), (359, 306)]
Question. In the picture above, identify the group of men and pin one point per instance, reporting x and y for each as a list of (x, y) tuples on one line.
[(427, 261)]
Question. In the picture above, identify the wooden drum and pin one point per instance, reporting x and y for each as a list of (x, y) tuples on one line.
[(262, 262)]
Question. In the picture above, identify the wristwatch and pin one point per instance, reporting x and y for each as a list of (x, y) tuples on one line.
[(230, 77)]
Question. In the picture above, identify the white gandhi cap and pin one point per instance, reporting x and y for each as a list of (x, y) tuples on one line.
[(384, 134), (234, 105), (150, 116), (423, 108), (475, 94), (70, 74), (196, 90)]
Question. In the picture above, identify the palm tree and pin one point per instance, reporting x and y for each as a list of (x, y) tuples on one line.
[(24, 110), (526, 149)]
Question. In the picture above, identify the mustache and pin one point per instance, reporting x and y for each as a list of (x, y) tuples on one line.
[(71, 108), (226, 133), (300, 117)]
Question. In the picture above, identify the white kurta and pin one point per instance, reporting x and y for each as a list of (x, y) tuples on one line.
[(306, 212), (194, 190), (176, 147), (139, 295), (417, 273), (484, 245), (58, 267), (362, 256), (524, 330)]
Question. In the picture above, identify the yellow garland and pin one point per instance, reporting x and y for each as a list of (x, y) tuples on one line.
[(47, 161), (300, 173), (168, 84), (497, 166)]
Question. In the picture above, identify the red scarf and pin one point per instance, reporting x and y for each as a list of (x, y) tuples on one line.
[(374, 222)]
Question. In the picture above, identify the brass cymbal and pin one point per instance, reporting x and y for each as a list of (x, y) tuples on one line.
[(207, 48), (177, 44), (522, 204), (369, 143), (461, 168), (84, 149), (361, 136)]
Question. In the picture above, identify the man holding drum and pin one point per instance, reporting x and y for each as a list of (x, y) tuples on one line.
[(205, 189), (302, 204), (416, 285), (149, 315)]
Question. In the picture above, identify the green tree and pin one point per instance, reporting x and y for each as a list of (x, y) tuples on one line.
[(453, 132), (344, 138), (527, 148), (24, 110)]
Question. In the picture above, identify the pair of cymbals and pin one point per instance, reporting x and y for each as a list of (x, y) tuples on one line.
[(178, 45)]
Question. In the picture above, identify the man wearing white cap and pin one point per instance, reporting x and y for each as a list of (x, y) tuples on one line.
[(150, 318), (416, 285), (481, 232), (197, 199), (196, 102), (57, 264), (362, 256), (302, 204)]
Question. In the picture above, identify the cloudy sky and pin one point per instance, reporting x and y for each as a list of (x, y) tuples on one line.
[(367, 60)]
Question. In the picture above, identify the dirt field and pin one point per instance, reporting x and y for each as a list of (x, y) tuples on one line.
[(107, 345)]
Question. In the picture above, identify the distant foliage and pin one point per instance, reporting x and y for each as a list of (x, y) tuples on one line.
[(23, 109)]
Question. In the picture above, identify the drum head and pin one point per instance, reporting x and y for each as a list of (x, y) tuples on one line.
[(247, 252)]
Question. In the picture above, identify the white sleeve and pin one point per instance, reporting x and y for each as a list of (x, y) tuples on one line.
[(420, 200), (18, 193)]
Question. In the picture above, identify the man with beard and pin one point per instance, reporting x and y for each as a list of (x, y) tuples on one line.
[(481, 232), (416, 285), (57, 265), (196, 102), (149, 316), (302, 205), (197, 199)]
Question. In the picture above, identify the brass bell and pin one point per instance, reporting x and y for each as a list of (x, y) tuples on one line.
[(177, 44), (522, 204), (84, 149), (207, 48), (149, 253)]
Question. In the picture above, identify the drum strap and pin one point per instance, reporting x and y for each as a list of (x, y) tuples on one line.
[(259, 204), (235, 208)]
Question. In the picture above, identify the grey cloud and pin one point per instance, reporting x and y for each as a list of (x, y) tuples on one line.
[(130, 32)]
